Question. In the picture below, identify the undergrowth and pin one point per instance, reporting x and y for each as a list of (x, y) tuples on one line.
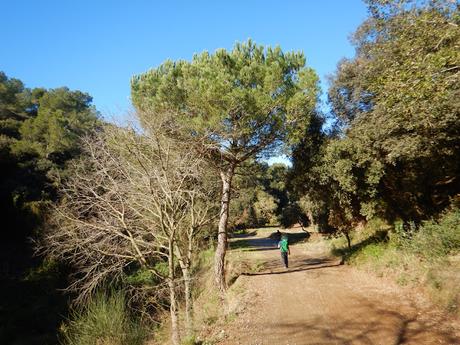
[(105, 320), (209, 311), (206, 302)]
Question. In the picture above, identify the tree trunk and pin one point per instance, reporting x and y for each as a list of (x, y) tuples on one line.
[(219, 262), (347, 235), (185, 263), (185, 268), (188, 301), (173, 309), (313, 222)]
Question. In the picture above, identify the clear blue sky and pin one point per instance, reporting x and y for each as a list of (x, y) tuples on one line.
[(96, 46)]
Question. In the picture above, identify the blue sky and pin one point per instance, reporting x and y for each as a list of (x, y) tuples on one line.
[(96, 46)]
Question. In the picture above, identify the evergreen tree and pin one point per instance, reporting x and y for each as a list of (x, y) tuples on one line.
[(236, 105)]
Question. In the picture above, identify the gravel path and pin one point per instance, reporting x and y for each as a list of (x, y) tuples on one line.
[(319, 301)]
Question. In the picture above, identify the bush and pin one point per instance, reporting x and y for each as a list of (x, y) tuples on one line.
[(104, 321), (436, 239)]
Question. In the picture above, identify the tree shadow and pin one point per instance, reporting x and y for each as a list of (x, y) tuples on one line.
[(259, 243), (288, 270), (346, 253), (370, 323), (238, 244), (243, 235), (293, 237), (275, 266), (260, 249), (265, 243)]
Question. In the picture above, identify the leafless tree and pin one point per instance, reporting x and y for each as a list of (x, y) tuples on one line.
[(135, 199)]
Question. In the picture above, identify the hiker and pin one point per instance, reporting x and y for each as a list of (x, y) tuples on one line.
[(283, 245)]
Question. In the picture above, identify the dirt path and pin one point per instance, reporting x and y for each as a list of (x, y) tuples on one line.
[(319, 301)]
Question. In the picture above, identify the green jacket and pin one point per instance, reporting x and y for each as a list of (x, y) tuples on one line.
[(284, 245)]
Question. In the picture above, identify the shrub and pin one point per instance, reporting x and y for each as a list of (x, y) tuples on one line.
[(105, 320), (436, 239)]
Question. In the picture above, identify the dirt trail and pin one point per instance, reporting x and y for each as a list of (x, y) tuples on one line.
[(319, 301)]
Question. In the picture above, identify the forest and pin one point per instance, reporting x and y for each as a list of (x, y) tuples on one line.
[(112, 233)]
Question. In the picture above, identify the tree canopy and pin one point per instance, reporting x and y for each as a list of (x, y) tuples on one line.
[(396, 103), (63, 116), (244, 102)]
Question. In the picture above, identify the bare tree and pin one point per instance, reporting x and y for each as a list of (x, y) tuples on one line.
[(135, 199), (201, 214)]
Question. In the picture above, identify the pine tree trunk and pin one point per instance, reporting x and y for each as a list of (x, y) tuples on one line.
[(173, 309), (219, 262)]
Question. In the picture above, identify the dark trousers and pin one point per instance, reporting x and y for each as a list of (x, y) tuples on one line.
[(284, 258)]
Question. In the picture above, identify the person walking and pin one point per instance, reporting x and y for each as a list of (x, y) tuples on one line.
[(283, 245)]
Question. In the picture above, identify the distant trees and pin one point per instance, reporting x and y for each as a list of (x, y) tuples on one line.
[(136, 202), (236, 105), (265, 208), (396, 103), (63, 116), (259, 195)]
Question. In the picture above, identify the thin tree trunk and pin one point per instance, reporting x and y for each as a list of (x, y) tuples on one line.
[(175, 337), (313, 222), (347, 235), (186, 275), (219, 262), (188, 301)]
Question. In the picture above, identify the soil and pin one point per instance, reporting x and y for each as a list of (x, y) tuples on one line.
[(319, 301)]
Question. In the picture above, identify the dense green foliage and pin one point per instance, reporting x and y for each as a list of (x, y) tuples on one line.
[(396, 151), (39, 135), (434, 239), (63, 117), (40, 131), (260, 195)]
